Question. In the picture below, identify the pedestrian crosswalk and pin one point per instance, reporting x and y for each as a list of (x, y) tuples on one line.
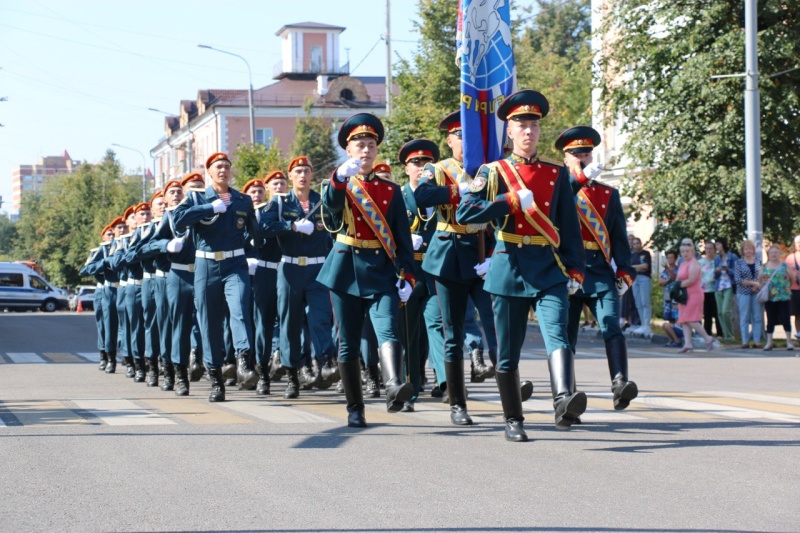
[(584, 352), (326, 408)]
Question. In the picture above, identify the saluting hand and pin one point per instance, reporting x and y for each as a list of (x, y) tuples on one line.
[(525, 199), (592, 170), (219, 206), (175, 245), (349, 168), (304, 226)]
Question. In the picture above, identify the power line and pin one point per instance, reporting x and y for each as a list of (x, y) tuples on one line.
[(366, 56)]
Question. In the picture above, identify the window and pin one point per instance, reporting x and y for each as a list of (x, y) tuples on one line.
[(315, 54), (10, 280), (347, 94), (38, 283), (264, 136)]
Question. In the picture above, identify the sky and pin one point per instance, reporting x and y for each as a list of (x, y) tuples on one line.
[(81, 75)]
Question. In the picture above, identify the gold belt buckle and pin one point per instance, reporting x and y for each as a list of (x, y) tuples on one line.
[(191, 268), (302, 261), (526, 239), (219, 256)]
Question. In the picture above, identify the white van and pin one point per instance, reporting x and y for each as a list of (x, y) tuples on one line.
[(21, 288)]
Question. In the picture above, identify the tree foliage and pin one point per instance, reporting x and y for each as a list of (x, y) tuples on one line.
[(256, 161), (686, 130), (313, 137), (60, 224), (553, 56)]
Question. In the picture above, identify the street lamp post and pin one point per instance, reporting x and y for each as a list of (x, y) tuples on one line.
[(249, 94), (144, 168)]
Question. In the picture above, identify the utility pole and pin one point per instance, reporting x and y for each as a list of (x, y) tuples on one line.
[(388, 58), (249, 92), (752, 126)]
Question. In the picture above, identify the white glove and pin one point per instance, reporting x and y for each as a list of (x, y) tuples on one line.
[(175, 245), (622, 287), (416, 241), (304, 226), (482, 268), (219, 206), (572, 287), (252, 264), (525, 199), (592, 170), (463, 188), (348, 168), (403, 292)]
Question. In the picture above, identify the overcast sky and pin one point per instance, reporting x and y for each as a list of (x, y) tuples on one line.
[(81, 75)]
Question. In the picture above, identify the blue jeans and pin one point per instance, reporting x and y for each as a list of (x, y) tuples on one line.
[(641, 294), (750, 312)]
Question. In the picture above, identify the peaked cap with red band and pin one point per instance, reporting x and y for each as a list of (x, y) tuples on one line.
[(524, 105)]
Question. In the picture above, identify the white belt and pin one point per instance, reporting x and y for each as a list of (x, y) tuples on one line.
[(161, 274), (111, 284), (219, 256), (268, 264), (134, 282), (148, 275), (99, 285), (180, 266), (302, 261), (123, 282)]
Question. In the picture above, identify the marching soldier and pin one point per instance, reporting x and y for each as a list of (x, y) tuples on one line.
[(176, 254), (221, 218), (538, 260), (149, 299), (100, 266), (371, 266), (264, 280), (96, 254), (605, 240), (305, 244), (118, 249), (133, 291), (422, 308), (452, 259)]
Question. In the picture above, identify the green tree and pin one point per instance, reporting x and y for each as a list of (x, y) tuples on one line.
[(256, 161), (8, 235), (685, 130), (313, 137), (552, 53), (553, 56), (60, 224)]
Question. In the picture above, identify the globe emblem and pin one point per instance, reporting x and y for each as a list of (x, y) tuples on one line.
[(485, 52)]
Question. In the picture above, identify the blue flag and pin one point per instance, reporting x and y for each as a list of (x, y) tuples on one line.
[(488, 76)]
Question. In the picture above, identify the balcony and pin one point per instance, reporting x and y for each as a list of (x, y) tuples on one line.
[(312, 72)]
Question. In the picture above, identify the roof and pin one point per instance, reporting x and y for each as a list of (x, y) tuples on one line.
[(310, 26), (289, 93)]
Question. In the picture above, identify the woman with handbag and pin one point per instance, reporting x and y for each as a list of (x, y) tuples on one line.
[(777, 278), (690, 314), (751, 313)]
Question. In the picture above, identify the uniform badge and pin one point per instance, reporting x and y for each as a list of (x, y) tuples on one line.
[(477, 184), (240, 222), (319, 225)]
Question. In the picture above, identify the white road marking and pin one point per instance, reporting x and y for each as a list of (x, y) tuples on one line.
[(26, 358), (122, 413)]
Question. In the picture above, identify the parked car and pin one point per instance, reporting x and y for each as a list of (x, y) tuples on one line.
[(84, 295), (21, 288)]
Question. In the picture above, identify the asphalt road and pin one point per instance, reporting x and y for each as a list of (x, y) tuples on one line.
[(710, 445)]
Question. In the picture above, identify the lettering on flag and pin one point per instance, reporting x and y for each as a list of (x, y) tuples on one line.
[(488, 75)]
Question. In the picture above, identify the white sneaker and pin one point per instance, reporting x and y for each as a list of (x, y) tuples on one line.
[(645, 330), (635, 331)]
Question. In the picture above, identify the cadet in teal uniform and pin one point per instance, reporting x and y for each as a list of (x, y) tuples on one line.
[(605, 239), (118, 248), (265, 277), (176, 253), (538, 260), (223, 222), (422, 308), (452, 260), (159, 280), (371, 267), (305, 244), (96, 255), (152, 346)]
